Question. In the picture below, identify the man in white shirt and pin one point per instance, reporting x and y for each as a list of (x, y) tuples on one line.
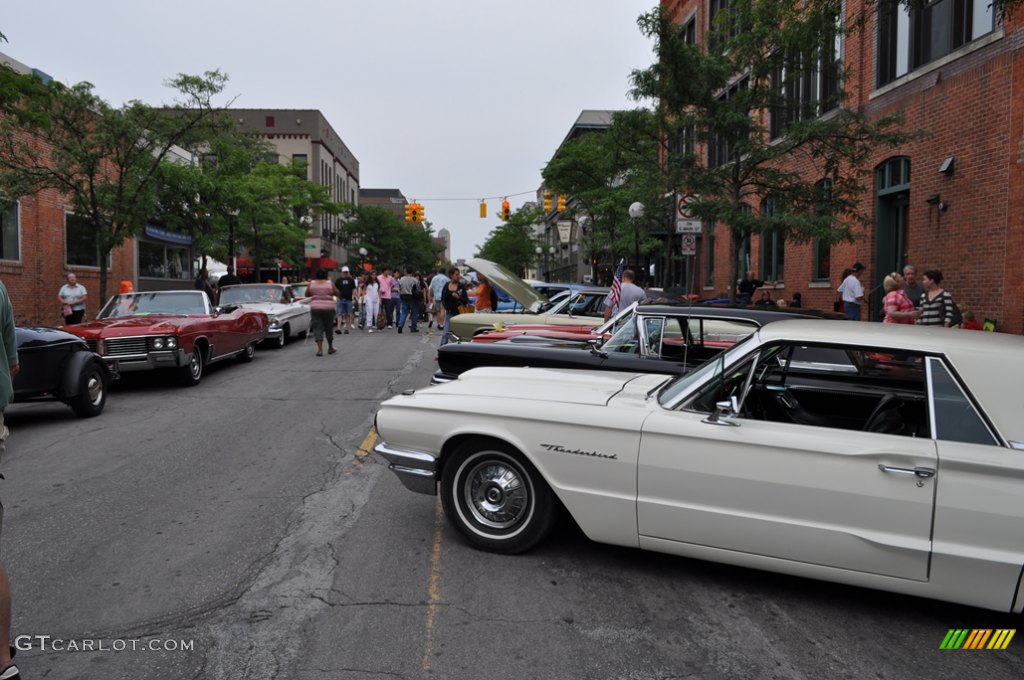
[(852, 292), (72, 299)]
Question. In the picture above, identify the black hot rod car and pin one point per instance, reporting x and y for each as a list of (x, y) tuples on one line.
[(59, 365)]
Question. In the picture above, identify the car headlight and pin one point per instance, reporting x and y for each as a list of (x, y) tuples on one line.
[(158, 343), (172, 342), (274, 323)]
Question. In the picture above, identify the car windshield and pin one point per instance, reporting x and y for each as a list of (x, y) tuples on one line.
[(178, 303), (257, 292), (299, 289), (681, 384)]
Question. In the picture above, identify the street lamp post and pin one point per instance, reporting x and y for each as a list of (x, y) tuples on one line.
[(636, 211), (232, 218), (362, 258), (540, 251), (547, 260)]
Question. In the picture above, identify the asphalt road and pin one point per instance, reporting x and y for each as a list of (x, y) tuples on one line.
[(241, 524)]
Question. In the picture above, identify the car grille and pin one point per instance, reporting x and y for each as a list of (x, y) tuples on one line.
[(94, 344), (119, 347)]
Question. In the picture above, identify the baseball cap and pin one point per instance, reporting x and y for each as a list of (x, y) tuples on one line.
[(345, 269), (858, 267)]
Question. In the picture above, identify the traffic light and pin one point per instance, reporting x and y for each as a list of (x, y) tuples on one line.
[(547, 201), (506, 212), (561, 202), (410, 213), (483, 209), (417, 212)]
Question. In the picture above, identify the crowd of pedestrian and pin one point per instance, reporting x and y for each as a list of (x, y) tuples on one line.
[(907, 300)]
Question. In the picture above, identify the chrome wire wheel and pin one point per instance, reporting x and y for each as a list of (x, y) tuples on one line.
[(497, 494), (495, 497)]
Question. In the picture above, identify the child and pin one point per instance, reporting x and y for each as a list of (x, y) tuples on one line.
[(970, 323)]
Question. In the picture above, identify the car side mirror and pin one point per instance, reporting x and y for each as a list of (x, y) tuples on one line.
[(729, 408)]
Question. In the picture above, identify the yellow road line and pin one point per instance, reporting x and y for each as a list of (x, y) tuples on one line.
[(367, 446), (433, 590)]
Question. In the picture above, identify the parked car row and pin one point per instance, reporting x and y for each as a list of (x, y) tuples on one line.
[(180, 331), (881, 456)]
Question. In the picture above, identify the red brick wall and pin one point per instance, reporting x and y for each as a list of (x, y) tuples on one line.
[(34, 281), (972, 108)]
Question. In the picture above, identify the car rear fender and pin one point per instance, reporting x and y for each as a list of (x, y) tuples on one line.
[(70, 384)]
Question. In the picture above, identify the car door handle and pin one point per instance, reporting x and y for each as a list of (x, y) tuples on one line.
[(922, 472)]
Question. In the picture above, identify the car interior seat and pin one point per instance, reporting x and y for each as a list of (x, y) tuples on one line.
[(886, 418)]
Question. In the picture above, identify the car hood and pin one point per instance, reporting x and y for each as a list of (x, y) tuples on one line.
[(126, 325), (538, 384), (516, 288)]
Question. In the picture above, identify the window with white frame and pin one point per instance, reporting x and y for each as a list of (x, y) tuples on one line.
[(82, 242), (823, 247), (806, 86), (773, 245)]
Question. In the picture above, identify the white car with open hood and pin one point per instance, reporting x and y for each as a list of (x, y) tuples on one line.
[(883, 456)]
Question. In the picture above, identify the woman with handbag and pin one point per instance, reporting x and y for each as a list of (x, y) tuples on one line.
[(454, 297)]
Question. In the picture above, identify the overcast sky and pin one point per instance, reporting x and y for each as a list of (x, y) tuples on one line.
[(449, 99)]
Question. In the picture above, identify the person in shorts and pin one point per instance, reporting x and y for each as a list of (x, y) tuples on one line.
[(346, 286), (322, 293), (8, 370)]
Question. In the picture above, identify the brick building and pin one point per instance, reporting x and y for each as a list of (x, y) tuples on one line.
[(41, 242), (952, 201)]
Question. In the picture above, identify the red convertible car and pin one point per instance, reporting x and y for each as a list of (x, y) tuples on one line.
[(176, 329)]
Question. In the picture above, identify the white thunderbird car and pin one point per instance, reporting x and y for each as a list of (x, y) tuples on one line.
[(288, 317), (876, 455)]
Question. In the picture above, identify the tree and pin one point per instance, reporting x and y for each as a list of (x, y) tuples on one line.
[(734, 96), (605, 172), (389, 241), (105, 160), (512, 244)]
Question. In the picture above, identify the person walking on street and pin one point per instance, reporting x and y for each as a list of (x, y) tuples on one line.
[(453, 296), (371, 296), (346, 287), (852, 292), (485, 295), (436, 292), (72, 297), (8, 371), (202, 283), (629, 293), (321, 293), (936, 302), (387, 296), (229, 279), (409, 295), (912, 288)]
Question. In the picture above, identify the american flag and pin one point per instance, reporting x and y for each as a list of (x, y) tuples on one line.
[(616, 286)]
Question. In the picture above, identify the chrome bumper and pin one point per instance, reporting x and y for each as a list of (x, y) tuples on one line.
[(440, 377), (129, 363), (415, 469)]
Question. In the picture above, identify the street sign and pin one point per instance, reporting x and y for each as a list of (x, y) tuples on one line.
[(564, 231), (689, 244), (685, 223), (312, 247)]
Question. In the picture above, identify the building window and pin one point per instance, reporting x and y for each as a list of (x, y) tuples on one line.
[(709, 255), (773, 245), (269, 121), (806, 86), (160, 261), (688, 31), (10, 227), (911, 38), (823, 247), (721, 146), (83, 243), (301, 160)]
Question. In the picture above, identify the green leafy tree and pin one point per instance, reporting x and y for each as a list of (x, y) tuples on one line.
[(512, 244), (389, 241), (724, 96), (105, 160), (607, 171)]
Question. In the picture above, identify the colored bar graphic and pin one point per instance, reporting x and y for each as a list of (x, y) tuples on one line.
[(978, 638)]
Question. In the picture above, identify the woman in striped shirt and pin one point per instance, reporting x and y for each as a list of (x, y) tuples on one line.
[(322, 294), (936, 302)]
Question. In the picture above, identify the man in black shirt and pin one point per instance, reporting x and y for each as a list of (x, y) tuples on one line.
[(346, 286), (747, 287), (229, 279)]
